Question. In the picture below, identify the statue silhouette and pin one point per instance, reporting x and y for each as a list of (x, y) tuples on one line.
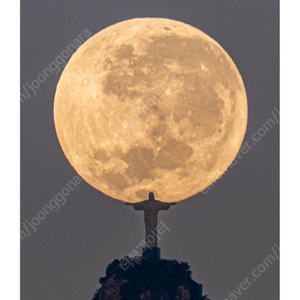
[(151, 207)]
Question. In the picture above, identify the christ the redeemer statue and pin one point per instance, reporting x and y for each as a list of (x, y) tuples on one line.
[(151, 207)]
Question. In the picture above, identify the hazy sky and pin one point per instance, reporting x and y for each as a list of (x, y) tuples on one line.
[(224, 235)]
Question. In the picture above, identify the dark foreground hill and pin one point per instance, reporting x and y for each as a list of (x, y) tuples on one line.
[(148, 279)]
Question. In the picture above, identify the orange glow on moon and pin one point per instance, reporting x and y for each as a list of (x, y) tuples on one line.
[(150, 105)]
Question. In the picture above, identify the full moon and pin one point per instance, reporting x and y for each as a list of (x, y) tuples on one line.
[(150, 105)]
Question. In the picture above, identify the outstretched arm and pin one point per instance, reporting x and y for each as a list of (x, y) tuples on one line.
[(165, 206), (137, 206)]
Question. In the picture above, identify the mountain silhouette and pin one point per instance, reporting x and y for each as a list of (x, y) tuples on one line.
[(148, 279)]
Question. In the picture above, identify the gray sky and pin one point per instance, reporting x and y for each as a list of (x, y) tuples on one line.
[(224, 234)]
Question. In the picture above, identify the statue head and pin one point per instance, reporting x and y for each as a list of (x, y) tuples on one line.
[(151, 196)]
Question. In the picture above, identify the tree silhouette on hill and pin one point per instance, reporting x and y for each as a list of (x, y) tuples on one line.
[(148, 279)]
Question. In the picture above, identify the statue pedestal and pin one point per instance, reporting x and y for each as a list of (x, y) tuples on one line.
[(151, 252), (200, 290)]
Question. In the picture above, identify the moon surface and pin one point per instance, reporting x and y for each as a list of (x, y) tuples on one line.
[(150, 105)]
